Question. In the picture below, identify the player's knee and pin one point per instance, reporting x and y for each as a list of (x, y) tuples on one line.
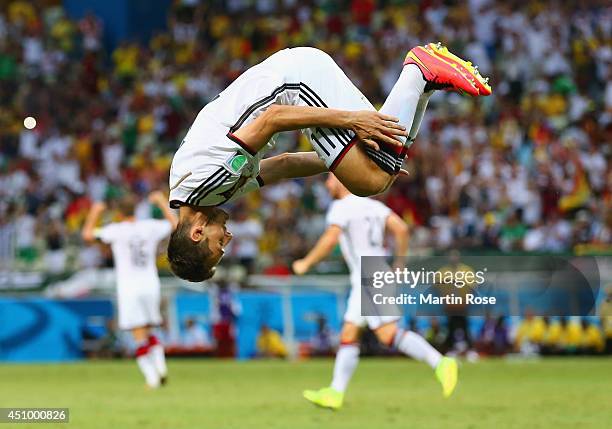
[(370, 185), (349, 334), (386, 333)]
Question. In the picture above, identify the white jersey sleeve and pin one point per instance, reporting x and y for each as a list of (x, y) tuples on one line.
[(108, 233), (337, 215), (160, 228)]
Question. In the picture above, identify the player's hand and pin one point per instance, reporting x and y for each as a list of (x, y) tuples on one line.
[(157, 198), (371, 126), (300, 267)]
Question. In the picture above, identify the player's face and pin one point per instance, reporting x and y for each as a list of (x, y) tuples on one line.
[(217, 234)]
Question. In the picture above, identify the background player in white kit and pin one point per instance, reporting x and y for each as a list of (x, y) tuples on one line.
[(359, 224), (134, 245), (221, 157)]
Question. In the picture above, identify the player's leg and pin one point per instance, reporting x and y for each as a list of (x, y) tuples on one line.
[(323, 84), (152, 304), (158, 356), (362, 170), (347, 357), (143, 357), (135, 316), (413, 345)]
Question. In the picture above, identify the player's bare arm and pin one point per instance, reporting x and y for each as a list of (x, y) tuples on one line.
[(91, 221), (320, 251), (369, 126), (400, 232), (161, 200), (290, 166)]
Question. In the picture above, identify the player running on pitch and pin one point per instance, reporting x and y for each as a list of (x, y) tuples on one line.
[(220, 158), (359, 224), (134, 244)]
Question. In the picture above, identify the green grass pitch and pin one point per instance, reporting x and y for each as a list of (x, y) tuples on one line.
[(390, 393)]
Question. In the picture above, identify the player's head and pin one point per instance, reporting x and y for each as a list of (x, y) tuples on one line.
[(127, 205), (335, 187), (197, 244)]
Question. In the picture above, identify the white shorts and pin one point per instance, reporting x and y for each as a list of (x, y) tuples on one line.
[(137, 310), (353, 311), (322, 83)]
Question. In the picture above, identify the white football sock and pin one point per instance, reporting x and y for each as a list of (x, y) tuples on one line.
[(347, 359), (147, 366), (418, 115), (403, 100), (158, 357), (415, 346)]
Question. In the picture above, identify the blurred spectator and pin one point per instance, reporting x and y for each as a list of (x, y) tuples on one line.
[(458, 339), (278, 267), (553, 336), (592, 341), (247, 231), (270, 343), (573, 335), (55, 258), (195, 336), (321, 343), (605, 316), (435, 334), (529, 336), (225, 309)]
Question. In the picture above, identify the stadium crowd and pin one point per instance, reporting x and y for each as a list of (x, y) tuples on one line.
[(526, 169)]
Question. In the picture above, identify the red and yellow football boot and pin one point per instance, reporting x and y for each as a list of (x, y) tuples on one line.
[(482, 83), (440, 73)]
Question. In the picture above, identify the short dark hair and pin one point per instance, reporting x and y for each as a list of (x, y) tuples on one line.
[(127, 205), (189, 260)]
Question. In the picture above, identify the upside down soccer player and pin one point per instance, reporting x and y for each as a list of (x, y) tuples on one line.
[(221, 157)]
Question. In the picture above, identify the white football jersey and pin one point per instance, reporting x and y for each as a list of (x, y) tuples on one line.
[(134, 246), (363, 228), (213, 166)]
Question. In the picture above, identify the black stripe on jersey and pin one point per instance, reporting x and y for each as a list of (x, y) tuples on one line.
[(202, 186), (314, 94), (341, 135), (331, 143), (309, 91), (249, 111), (344, 133), (381, 156), (218, 182), (319, 144), (384, 160)]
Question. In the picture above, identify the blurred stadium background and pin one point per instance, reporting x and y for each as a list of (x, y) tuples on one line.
[(113, 86)]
